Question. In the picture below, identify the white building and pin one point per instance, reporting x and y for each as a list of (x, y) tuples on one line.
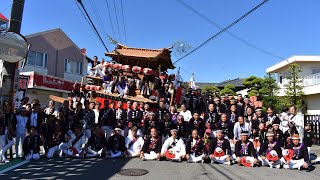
[(310, 66)]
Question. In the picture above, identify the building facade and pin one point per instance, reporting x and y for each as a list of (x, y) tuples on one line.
[(53, 60), (310, 72)]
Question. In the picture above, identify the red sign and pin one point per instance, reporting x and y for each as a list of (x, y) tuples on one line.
[(38, 80)]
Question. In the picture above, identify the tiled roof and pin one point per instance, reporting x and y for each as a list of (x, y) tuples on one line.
[(2, 17), (236, 82), (139, 56)]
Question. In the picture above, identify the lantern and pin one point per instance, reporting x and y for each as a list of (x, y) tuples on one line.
[(117, 67), (136, 69), (107, 64), (147, 71), (98, 88), (88, 87), (126, 68), (92, 87)]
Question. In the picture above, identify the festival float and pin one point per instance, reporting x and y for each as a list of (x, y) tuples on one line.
[(132, 74)]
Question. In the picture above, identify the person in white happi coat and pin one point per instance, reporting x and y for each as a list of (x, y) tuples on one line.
[(134, 143), (173, 148), (78, 141), (297, 120), (99, 69), (21, 130)]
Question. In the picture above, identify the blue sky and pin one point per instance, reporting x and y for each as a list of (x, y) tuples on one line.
[(283, 27)]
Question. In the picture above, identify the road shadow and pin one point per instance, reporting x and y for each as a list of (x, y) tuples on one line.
[(97, 168)]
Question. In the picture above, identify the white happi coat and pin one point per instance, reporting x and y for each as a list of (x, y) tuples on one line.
[(179, 149), (136, 147)]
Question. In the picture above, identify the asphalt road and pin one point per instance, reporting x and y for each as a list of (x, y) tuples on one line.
[(97, 169)]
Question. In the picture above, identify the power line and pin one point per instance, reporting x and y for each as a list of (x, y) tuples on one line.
[(223, 30), (115, 11), (123, 22), (94, 27), (113, 31), (6, 8), (228, 32), (96, 13), (85, 17)]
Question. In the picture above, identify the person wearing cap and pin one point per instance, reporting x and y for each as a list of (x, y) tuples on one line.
[(53, 140), (270, 152), (134, 143), (300, 158), (207, 138), (220, 150), (245, 153), (152, 146), (173, 148), (21, 130), (185, 113), (270, 118), (96, 145), (195, 148), (6, 139), (31, 145), (197, 123), (116, 144)]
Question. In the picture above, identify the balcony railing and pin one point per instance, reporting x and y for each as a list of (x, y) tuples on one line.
[(311, 80)]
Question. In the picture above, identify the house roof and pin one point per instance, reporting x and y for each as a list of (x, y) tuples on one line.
[(292, 59), (50, 31), (154, 56), (238, 82), (2, 17)]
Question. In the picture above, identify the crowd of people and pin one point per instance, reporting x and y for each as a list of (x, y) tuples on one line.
[(224, 129)]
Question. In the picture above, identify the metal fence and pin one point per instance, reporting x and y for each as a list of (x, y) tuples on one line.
[(315, 121)]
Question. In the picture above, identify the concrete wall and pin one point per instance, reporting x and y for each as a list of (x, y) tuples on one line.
[(313, 104)]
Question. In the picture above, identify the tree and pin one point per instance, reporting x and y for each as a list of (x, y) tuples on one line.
[(253, 83), (227, 91), (294, 87), (210, 89), (268, 92), (230, 86)]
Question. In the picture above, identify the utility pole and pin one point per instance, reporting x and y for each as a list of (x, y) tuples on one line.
[(9, 70)]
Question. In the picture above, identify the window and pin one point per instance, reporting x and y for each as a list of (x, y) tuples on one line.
[(67, 65), (73, 67), (315, 70), (280, 79), (38, 59)]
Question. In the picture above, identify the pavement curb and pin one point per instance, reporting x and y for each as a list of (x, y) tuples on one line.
[(13, 167)]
